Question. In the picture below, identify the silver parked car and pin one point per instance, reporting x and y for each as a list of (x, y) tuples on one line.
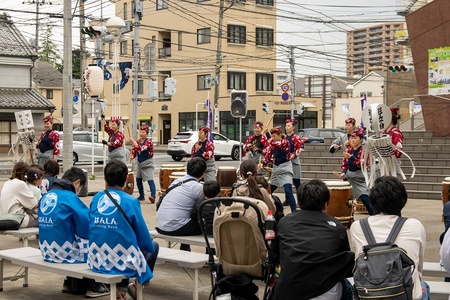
[(82, 147), (181, 146)]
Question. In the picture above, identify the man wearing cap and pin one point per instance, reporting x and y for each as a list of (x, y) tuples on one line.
[(143, 150), (351, 169), (344, 141), (115, 140), (394, 132), (256, 143), (205, 149), (48, 143), (282, 174)]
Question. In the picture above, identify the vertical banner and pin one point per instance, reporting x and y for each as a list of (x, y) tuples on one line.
[(363, 105), (125, 70), (209, 122)]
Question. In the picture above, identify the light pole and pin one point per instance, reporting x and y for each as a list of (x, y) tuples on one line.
[(196, 114), (115, 26)]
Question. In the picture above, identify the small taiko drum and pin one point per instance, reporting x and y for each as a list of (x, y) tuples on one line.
[(129, 184), (226, 176), (165, 171), (175, 175), (445, 192), (341, 204)]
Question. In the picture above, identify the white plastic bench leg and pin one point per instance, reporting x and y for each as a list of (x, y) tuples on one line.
[(113, 291), (1, 275), (25, 284), (25, 241), (195, 289), (139, 291)]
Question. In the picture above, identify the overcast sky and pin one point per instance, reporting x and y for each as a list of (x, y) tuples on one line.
[(315, 27)]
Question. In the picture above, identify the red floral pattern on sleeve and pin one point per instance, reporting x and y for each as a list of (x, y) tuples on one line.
[(147, 146)]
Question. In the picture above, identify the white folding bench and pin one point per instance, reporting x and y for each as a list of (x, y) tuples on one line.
[(196, 240), (184, 259), (31, 258), (23, 233), (434, 269)]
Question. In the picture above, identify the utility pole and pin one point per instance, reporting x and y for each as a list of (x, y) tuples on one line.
[(82, 67), (67, 84), (292, 90), (218, 62), (137, 18), (38, 3)]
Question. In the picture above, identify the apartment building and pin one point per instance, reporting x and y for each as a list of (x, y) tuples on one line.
[(374, 48), (178, 39)]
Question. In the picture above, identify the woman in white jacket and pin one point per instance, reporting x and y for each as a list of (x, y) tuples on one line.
[(16, 197)]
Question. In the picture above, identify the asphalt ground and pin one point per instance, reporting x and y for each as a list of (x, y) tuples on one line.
[(171, 281)]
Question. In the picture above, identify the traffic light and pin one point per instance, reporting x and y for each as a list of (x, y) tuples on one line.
[(95, 31), (153, 90), (266, 107), (401, 68), (169, 86), (239, 103)]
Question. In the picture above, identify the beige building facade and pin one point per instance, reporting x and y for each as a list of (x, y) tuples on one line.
[(375, 48), (179, 40)]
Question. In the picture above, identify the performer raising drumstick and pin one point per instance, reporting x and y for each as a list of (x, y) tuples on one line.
[(351, 170), (343, 142), (205, 149), (282, 174), (394, 132), (115, 140)]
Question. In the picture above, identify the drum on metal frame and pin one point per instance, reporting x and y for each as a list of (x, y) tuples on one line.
[(226, 176), (175, 175), (129, 184), (165, 171), (341, 204)]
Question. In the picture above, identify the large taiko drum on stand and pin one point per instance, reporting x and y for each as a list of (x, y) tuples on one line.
[(164, 174), (445, 192), (226, 177), (175, 175), (341, 203), (129, 184)]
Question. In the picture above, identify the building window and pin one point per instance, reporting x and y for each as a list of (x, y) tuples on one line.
[(264, 82), (125, 11), (202, 82), (110, 51), (123, 48), (236, 80), (140, 87), (49, 94), (236, 34), (180, 40), (264, 37), (264, 2), (198, 1), (204, 36), (362, 94), (161, 4)]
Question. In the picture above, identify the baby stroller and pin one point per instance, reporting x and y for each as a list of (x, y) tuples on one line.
[(243, 253)]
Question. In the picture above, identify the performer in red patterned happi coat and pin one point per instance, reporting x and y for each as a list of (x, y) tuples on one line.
[(351, 170), (48, 143), (394, 132), (115, 140), (145, 166), (205, 149)]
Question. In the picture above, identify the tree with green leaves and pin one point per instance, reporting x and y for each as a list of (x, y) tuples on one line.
[(76, 61), (49, 51)]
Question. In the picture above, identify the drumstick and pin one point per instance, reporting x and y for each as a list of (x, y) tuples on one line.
[(342, 141), (271, 118)]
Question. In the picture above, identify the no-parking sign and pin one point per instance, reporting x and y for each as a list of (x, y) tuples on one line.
[(285, 87)]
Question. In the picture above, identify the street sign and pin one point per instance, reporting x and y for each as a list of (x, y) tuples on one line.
[(285, 87), (75, 98), (285, 96)]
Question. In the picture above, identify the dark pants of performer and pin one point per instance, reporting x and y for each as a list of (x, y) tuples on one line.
[(288, 194), (365, 200), (151, 184)]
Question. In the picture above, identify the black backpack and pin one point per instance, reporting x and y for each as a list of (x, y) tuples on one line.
[(383, 270)]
